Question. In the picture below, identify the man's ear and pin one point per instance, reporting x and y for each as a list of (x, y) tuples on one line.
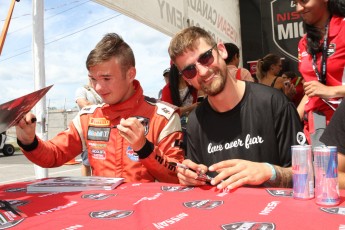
[(222, 51), (131, 72)]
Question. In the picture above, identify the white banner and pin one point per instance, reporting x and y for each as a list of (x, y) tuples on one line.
[(220, 17)]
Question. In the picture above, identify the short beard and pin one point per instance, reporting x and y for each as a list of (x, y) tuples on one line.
[(216, 87)]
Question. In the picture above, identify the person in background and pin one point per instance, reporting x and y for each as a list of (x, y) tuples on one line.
[(334, 135), (267, 72), (233, 61), (321, 53), (242, 132), (166, 74), (85, 96), (179, 93), (291, 77), (129, 136)]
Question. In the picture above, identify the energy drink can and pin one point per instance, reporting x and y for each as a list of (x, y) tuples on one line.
[(303, 174), (326, 176)]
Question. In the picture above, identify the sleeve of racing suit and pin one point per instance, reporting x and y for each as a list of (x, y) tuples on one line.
[(155, 156), (57, 151)]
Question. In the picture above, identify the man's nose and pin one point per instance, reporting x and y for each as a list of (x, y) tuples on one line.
[(201, 69)]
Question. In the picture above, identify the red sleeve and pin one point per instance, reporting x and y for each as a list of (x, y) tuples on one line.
[(57, 151), (166, 95)]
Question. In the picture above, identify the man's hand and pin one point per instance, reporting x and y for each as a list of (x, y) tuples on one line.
[(235, 173), (26, 128), (188, 176), (133, 131)]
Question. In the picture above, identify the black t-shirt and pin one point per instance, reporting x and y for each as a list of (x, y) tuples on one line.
[(334, 134), (262, 127)]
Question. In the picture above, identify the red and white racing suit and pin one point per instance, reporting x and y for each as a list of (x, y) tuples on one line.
[(110, 155)]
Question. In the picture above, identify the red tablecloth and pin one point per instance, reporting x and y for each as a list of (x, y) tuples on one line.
[(169, 206)]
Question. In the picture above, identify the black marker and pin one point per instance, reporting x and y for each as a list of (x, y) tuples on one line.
[(179, 165), (201, 175)]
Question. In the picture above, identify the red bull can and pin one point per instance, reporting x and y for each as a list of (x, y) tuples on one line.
[(326, 176), (302, 169)]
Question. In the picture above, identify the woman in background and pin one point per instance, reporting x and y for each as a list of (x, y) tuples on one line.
[(267, 72), (179, 93), (321, 54)]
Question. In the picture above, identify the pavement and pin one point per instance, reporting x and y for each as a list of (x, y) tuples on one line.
[(18, 168)]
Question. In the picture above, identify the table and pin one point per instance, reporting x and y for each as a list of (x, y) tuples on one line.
[(170, 206)]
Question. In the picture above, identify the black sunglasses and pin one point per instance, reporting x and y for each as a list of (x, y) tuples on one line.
[(204, 59)]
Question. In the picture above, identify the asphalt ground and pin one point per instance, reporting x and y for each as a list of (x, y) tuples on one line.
[(18, 168)]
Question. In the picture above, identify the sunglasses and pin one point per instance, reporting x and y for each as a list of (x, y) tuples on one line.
[(204, 59)]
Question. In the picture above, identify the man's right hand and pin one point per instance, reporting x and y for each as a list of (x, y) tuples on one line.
[(188, 177), (26, 129)]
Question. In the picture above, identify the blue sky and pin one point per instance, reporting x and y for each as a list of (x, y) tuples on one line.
[(72, 29)]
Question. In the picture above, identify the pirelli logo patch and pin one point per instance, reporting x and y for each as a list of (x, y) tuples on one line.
[(99, 122), (98, 134)]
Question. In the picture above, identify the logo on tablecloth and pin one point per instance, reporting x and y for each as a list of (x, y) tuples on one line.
[(203, 204), (337, 210), (16, 190), (97, 196), (280, 192), (18, 203), (111, 214), (248, 225), (176, 188), (9, 215)]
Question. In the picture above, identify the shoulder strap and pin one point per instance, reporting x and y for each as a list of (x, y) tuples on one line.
[(238, 74), (274, 81), (185, 96)]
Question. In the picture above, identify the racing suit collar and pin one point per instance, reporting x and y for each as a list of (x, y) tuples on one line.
[(125, 109)]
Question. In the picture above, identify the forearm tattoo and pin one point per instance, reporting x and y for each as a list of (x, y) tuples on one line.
[(283, 179)]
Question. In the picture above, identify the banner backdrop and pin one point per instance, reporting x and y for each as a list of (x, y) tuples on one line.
[(282, 28), (220, 17)]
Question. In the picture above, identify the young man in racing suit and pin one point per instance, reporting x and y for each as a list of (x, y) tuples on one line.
[(128, 136)]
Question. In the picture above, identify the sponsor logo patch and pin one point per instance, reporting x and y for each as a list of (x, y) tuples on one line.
[(331, 49), (98, 134), (131, 154), (99, 122), (111, 214), (99, 154), (97, 145)]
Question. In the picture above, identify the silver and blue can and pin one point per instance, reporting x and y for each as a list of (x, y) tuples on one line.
[(303, 174), (326, 175)]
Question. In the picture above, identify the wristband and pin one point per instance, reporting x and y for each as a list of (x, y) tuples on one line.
[(274, 174)]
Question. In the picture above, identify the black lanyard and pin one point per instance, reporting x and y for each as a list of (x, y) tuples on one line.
[(322, 77)]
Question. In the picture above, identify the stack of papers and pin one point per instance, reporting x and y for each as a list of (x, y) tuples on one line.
[(72, 184)]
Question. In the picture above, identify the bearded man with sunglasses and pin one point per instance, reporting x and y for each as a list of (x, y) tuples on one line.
[(243, 132)]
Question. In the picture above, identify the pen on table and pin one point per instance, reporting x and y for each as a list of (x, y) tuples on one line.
[(139, 118)]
